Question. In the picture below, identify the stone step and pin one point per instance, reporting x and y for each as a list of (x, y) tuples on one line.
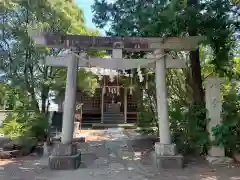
[(112, 125), (113, 117), (113, 114), (113, 120)]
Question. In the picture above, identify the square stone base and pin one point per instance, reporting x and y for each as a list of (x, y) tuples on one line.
[(64, 162), (168, 162)]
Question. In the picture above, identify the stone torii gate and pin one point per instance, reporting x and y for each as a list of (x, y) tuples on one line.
[(64, 155)]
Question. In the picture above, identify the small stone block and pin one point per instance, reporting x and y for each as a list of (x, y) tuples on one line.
[(79, 139), (82, 139), (215, 151), (219, 160), (64, 149), (170, 162), (65, 162), (165, 149)]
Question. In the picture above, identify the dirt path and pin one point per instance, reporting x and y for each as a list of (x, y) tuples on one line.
[(116, 158)]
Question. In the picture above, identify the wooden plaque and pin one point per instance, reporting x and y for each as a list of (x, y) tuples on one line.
[(96, 42)]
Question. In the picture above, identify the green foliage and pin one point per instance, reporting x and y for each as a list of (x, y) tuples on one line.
[(20, 125), (227, 134), (30, 81), (224, 136), (27, 144), (215, 19), (147, 121), (14, 97), (13, 129), (188, 122), (87, 82), (22, 62), (188, 126), (146, 124)]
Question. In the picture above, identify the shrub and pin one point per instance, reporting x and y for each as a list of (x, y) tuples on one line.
[(188, 127), (25, 124), (147, 124), (227, 134)]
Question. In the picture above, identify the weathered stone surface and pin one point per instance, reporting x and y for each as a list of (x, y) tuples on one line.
[(10, 154), (216, 151), (116, 166), (165, 149), (169, 162), (65, 162), (11, 146), (101, 162), (4, 140), (79, 139), (236, 156), (64, 149), (221, 160), (214, 108)]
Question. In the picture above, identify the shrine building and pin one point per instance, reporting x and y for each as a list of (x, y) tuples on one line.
[(112, 103)]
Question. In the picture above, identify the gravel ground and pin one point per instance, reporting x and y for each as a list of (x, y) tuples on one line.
[(118, 159)]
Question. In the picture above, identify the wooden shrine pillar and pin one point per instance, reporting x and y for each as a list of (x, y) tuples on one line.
[(102, 100), (125, 104)]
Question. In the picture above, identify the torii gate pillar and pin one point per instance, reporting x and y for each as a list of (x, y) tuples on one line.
[(70, 101), (65, 155), (165, 151), (161, 93)]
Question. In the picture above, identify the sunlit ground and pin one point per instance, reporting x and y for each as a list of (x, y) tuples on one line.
[(4, 162), (218, 178), (92, 135)]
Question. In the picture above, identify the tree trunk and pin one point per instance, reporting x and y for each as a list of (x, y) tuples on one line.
[(198, 93), (44, 101)]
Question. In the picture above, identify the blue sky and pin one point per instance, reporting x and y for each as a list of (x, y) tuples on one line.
[(85, 5)]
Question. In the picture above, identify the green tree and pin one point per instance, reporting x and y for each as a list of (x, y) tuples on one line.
[(22, 61), (216, 19)]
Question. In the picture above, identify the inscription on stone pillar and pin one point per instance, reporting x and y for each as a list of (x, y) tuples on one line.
[(214, 108), (213, 102)]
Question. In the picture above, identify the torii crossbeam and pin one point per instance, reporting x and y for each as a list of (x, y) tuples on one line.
[(127, 43)]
